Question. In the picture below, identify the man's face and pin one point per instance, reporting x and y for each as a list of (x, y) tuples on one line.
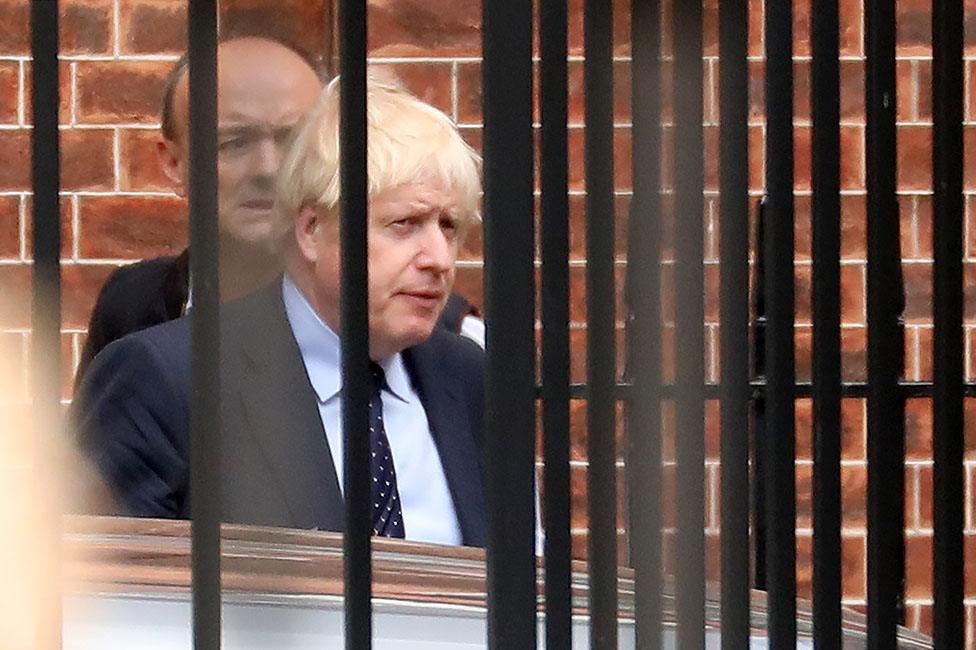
[(264, 89), (413, 242)]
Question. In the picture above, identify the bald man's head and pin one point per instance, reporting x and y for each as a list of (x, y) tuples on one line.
[(263, 88)]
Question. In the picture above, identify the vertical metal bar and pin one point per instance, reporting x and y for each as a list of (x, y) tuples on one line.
[(644, 325), (204, 325), (947, 98), (734, 299), (46, 315), (780, 371), (757, 413), (510, 308), (689, 322), (825, 97), (885, 346), (554, 242), (353, 216), (600, 341)]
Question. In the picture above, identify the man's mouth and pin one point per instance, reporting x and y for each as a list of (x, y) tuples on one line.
[(258, 204), (425, 298)]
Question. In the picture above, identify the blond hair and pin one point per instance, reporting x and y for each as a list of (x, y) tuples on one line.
[(407, 140)]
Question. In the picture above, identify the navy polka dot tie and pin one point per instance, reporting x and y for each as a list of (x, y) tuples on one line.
[(387, 510)]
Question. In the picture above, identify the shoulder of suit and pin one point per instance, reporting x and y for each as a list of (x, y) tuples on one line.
[(140, 280)]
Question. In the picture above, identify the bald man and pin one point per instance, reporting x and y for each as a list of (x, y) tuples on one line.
[(264, 87)]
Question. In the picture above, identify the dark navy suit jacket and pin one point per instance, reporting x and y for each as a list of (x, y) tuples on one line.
[(132, 414)]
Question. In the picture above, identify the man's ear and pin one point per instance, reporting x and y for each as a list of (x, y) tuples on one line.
[(171, 162), (307, 224)]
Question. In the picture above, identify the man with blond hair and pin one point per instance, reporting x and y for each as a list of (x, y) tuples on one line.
[(281, 435)]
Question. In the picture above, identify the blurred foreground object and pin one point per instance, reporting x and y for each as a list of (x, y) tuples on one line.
[(283, 589)]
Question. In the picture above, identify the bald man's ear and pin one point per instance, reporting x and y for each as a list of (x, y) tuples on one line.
[(171, 162), (307, 225)]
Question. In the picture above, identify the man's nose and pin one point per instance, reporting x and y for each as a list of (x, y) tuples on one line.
[(267, 157), (438, 253)]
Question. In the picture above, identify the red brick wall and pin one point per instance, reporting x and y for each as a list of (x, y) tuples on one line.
[(118, 206)]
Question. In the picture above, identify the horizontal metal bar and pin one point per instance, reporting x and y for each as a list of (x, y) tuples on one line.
[(801, 390)]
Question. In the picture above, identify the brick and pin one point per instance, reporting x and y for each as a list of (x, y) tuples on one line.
[(925, 620), (757, 158), (853, 421), (925, 362), (14, 27), (922, 223), (804, 495), (853, 566), (918, 292), (803, 426), (430, 82), (852, 91), (914, 27), (904, 90), (9, 91), (914, 158), (468, 282), (755, 28), (851, 159), (140, 170), (757, 92), (969, 98), (852, 296), (853, 227), (15, 175), (802, 354), (621, 27), (578, 430), (969, 292), (918, 571), (802, 108), (925, 491), (854, 485), (126, 227), (15, 288), (579, 497), (581, 549), (87, 159), (923, 89), (120, 91), (80, 286), (469, 92), (65, 98), (918, 429), (417, 27), (9, 227), (853, 357), (86, 27), (67, 227), (713, 429), (804, 566), (153, 27), (577, 226), (472, 248), (969, 173), (307, 23), (970, 225)]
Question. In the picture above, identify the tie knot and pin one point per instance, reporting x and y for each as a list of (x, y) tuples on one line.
[(378, 376)]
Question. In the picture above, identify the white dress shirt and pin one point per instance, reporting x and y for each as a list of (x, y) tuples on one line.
[(428, 509)]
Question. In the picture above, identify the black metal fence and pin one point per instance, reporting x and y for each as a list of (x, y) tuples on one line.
[(510, 380)]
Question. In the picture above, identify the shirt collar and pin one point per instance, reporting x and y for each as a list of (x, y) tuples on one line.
[(321, 349)]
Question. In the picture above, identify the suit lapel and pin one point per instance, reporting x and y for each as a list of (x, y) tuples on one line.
[(451, 427), (282, 411)]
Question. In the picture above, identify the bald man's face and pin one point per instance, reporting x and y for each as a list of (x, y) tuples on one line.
[(263, 90)]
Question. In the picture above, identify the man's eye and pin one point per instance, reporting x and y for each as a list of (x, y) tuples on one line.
[(233, 144)]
